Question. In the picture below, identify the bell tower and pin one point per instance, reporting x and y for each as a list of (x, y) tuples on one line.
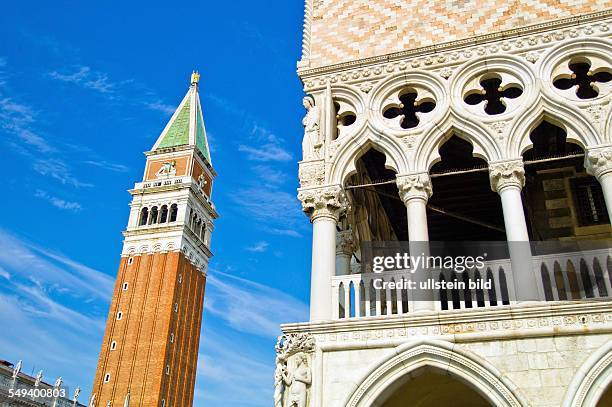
[(150, 349)]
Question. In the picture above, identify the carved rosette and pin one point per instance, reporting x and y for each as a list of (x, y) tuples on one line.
[(328, 201), (312, 173), (414, 186), (598, 161), (506, 174), (345, 243)]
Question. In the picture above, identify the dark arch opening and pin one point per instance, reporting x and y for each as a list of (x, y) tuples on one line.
[(430, 387), (378, 212), (562, 201), (452, 217)]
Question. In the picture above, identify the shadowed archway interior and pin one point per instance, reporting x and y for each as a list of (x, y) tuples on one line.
[(380, 214), (606, 397), (429, 387), (562, 201), (452, 217)]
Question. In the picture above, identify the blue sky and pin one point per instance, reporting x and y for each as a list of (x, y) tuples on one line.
[(85, 88)]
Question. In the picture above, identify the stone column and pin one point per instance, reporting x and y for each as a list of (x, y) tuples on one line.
[(415, 190), (344, 252), (598, 162), (324, 206), (507, 179)]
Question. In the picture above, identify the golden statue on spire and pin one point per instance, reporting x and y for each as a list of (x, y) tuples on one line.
[(195, 77)]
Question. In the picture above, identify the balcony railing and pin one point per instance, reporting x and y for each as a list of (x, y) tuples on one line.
[(581, 275)]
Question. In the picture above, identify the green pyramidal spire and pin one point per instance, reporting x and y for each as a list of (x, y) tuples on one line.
[(186, 126)]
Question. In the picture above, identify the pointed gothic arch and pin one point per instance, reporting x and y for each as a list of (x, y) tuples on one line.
[(344, 164), (484, 144), (592, 379), (472, 370), (576, 126)]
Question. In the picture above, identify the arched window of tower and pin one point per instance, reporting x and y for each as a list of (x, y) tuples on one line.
[(173, 212), (164, 214), (153, 217), (144, 216)]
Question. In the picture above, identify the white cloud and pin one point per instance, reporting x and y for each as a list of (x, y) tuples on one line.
[(218, 368), (278, 211), (67, 346), (259, 247), (57, 169), (55, 309), (251, 307), (58, 202), (161, 107), (270, 175), (84, 76), (265, 152), (266, 146), (17, 118), (108, 165), (28, 260)]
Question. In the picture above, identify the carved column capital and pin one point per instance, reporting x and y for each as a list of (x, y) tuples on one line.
[(414, 186), (504, 174), (598, 161), (345, 243), (328, 201)]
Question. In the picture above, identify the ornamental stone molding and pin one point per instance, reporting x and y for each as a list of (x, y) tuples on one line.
[(482, 324), (598, 161), (312, 173), (414, 186), (345, 243), (328, 201), (506, 174), (412, 356), (520, 41), (591, 380)]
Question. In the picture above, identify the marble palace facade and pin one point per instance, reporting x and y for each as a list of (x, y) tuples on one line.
[(444, 121)]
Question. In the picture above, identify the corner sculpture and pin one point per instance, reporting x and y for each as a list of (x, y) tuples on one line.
[(292, 377), (311, 144)]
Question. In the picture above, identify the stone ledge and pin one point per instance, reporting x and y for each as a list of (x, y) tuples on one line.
[(505, 322)]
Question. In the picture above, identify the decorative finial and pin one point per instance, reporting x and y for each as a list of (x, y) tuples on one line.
[(195, 77), (39, 377), (17, 369)]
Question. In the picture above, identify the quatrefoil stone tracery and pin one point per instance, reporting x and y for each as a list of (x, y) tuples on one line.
[(494, 93), (345, 117), (408, 108), (586, 78)]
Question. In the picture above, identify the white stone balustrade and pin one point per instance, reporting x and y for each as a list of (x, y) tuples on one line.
[(354, 296)]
